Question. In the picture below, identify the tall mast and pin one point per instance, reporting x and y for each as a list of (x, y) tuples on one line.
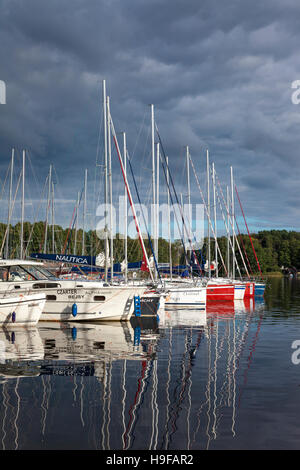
[(189, 191), (84, 212), (22, 207), (105, 179), (169, 221), (182, 225), (215, 217), (157, 203), (130, 199), (9, 203), (47, 209), (232, 220), (76, 224), (53, 234), (110, 193), (154, 214), (228, 234), (208, 208), (189, 186), (125, 206)]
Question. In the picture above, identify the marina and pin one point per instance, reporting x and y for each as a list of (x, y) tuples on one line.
[(191, 381), (141, 353), (149, 238), (126, 334)]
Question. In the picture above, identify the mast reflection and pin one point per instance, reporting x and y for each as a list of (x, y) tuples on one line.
[(175, 382)]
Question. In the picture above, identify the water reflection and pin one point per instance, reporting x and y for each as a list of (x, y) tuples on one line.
[(175, 383)]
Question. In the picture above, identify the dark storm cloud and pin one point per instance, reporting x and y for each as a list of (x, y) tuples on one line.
[(219, 75)]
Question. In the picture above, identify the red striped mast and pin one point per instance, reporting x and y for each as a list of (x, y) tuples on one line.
[(130, 198)]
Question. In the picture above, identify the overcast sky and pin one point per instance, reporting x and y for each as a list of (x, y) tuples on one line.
[(218, 73)]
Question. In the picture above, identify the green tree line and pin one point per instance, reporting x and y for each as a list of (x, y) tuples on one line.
[(273, 248)]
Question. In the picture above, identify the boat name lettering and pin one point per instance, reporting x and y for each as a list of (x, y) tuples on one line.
[(66, 291)]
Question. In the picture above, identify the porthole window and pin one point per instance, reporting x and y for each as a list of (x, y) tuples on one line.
[(50, 297)]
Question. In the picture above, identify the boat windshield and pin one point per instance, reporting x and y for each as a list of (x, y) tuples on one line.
[(46, 272), (16, 273), (33, 272)]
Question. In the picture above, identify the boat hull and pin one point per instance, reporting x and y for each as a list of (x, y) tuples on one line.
[(186, 297), (21, 310), (249, 289), (220, 292), (92, 304), (239, 291), (259, 289), (82, 301)]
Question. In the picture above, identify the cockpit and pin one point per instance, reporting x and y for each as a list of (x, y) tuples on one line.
[(21, 273)]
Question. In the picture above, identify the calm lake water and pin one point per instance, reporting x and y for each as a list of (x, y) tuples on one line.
[(226, 379)]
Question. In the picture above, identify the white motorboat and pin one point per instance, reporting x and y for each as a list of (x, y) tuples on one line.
[(69, 300)]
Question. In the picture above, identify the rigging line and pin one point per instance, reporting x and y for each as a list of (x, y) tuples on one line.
[(190, 213), (34, 220), (231, 223), (227, 230), (29, 157), (138, 137), (133, 247), (4, 182), (248, 231), (244, 248), (149, 238), (3, 187), (235, 237), (12, 208), (207, 213), (175, 214), (146, 145), (37, 183), (129, 196), (45, 223), (69, 229), (60, 196), (179, 205), (74, 221), (101, 124), (148, 193)]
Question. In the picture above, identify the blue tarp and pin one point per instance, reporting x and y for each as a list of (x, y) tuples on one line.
[(86, 264)]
